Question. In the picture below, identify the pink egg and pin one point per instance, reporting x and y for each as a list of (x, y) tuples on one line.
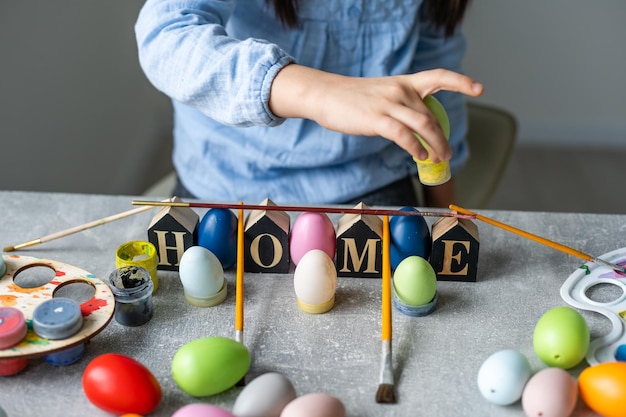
[(314, 405), (202, 410), (551, 392), (312, 231)]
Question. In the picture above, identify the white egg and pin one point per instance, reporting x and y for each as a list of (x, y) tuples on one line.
[(315, 282), (503, 376), (202, 276), (264, 396)]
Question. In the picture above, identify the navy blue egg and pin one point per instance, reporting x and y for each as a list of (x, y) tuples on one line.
[(410, 236), (217, 232)]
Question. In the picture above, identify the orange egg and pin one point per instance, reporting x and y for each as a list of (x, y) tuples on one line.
[(603, 388)]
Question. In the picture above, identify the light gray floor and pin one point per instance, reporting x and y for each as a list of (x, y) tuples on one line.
[(563, 180)]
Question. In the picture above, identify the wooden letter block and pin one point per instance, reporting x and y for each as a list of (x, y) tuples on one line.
[(172, 231), (359, 245), (266, 241), (454, 254)]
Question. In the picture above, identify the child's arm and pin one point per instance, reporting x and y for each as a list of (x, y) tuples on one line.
[(388, 106)]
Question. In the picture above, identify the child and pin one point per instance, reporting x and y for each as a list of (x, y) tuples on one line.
[(307, 101)]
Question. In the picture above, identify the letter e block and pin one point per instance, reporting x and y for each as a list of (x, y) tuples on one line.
[(454, 254)]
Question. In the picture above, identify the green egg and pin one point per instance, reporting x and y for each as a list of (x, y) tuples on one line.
[(439, 112), (210, 365), (561, 338), (415, 281)]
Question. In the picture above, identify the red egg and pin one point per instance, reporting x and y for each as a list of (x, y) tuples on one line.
[(119, 384)]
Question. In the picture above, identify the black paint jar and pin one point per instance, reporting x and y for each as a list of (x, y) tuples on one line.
[(132, 288)]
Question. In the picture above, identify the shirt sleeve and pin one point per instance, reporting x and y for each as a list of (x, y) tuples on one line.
[(435, 50), (185, 52)]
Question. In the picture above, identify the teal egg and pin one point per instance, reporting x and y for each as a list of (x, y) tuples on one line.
[(210, 365), (415, 281)]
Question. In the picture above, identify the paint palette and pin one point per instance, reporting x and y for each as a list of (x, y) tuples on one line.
[(600, 289), (28, 282)]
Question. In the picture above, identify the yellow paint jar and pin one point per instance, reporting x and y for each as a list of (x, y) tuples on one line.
[(139, 253), (431, 173)]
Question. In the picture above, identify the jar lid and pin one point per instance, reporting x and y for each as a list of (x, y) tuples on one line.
[(12, 327), (129, 280), (57, 318)]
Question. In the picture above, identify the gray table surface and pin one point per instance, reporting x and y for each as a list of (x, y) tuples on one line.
[(436, 358)]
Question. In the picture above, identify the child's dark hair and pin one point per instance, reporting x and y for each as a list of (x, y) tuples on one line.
[(443, 13)]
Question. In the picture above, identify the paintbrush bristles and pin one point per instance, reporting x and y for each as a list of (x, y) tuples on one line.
[(386, 394)]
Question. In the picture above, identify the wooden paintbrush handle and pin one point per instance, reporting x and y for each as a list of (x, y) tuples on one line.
[(386, 282), (524, 233)]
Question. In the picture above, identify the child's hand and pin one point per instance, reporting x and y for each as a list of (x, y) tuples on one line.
[(390, 107)]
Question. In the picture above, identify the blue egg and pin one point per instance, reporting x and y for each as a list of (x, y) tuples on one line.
[(217, 232), (410, 236)]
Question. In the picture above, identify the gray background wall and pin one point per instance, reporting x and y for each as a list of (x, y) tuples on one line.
[(77, 114)]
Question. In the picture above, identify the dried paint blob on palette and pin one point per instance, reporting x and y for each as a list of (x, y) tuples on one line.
[(28, 282)]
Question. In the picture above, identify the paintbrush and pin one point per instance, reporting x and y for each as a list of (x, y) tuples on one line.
[(386, 392), (539, 239), (239, 287), (80, 228), (340, 210)]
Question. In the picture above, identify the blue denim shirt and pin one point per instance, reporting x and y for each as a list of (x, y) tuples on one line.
[(217, 59)]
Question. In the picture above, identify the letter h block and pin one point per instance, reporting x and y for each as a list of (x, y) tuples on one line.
[(359, 245), (454, 255), (172, 231)]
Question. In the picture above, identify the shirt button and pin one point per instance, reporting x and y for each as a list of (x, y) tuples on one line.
[(354, 12)]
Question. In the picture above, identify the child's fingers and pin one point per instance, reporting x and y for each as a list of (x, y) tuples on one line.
[(431, 81)]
